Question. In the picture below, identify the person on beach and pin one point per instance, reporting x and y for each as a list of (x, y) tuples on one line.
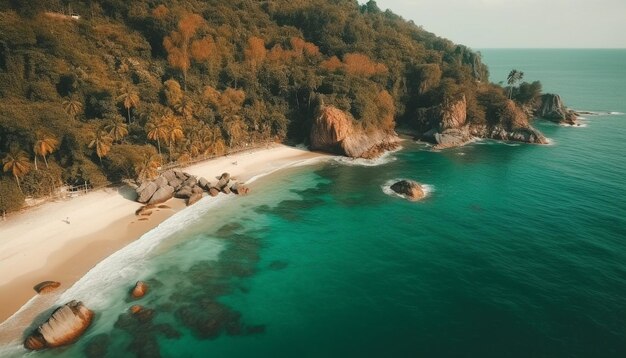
[(67, 220)]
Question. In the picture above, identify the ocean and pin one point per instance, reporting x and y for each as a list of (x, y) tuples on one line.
[(518, 250)]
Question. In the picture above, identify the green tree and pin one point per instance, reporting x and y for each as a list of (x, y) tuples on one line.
[(101, 142), (11, 197), (116, 128), (129, 98), (44, 145), (513, 77), (18, 163), (72, 107), (156, 129)]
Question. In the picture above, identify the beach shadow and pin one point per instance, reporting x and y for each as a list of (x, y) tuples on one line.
[(127, 192)]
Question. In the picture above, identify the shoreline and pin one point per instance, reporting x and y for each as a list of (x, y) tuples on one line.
[(37, 244)]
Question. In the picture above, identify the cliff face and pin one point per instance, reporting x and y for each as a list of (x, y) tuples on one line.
[(335, 131), (447, 125), (551, 107)]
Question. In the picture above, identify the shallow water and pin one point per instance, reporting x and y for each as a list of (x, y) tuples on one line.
[(518, 251)]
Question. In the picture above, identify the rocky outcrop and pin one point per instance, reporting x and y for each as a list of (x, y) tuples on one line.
[(334, 131), (47, 286), (409, 189), (181, 185), (140, 289), (66, 324), (551, 107)]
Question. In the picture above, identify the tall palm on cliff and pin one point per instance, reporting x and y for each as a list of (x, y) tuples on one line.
[(72, 107), (129, 98), (16, 162), (116, 128), (157, 130), (513, 77), (101, 142), (44, 145)]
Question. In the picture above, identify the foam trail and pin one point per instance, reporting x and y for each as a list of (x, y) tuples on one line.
[(387, 157)]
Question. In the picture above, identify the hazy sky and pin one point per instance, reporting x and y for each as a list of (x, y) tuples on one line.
[(519, 23)]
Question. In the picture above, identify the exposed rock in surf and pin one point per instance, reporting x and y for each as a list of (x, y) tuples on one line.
[(239, 189), (213, 191), (335, 131), (46, 286), (135, 309), (140, 289), (66, 324), (223, 181), (551, 107), (409, 189), (226, 188), (197, 189)]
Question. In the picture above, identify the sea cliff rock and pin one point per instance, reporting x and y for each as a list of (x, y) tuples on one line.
[(334, 131), (409, 189), (46, 286), (66, 324), (140, 289), (551, 107)]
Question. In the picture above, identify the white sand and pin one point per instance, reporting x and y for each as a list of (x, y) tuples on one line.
[(38, 244)]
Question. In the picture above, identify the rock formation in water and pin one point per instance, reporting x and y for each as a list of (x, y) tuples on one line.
[(335, 131), (46, 286), (140, 289), (551, 107), (446, 125), (66, 324), (409, 189)]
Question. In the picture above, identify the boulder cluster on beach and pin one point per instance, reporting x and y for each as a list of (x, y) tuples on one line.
[(178, 184)]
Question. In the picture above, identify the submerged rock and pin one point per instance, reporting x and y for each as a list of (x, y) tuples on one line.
[(47, 286), (410, 189), (140, 289), (66, 324)]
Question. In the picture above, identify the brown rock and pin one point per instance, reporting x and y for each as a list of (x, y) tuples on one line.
[(183, 193), (454, 114), (552, 108), (140, 289), (226, 189), (47, 286), (135, 309), (213, 191), (162, 195), (334, 131), (145, 192), (410, 189), (66, 324), (204, 184), (194, 198), (223, 181), (197, 189), (239, 189)]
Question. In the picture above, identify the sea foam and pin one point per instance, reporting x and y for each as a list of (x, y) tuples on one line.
[(386, 158)]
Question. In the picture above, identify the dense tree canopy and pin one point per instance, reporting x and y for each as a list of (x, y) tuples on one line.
[(131, 85)]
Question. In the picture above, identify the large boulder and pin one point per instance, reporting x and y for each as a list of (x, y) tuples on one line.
[(162, 195), (169, 175), (551, 107), (145, 192), (66, 324), (197, 189), (334, 131), (194, 198), (203, 183), (223, 181), (183, 193), (46, 286), (140, 289), (409, 189), (213, 191), (239, 189)]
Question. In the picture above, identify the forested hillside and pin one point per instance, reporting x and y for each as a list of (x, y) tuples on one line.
[(123, 87)]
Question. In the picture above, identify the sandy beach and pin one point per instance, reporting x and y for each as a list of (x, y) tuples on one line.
[(62, 240)]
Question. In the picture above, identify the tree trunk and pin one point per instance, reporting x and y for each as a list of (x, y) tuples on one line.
[(128, 109), (44, 159), (36, 168), (159, 145), (17, 180), (185, 80)]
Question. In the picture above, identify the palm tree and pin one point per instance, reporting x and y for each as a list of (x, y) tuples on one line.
[(513, 77), (44, 145), (18, 163), (72, 107), (116, 127), (148, 168), (102, 143), (129, 98), (157, 130), (174, 130)]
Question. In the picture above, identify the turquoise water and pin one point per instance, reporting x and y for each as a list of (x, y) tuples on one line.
[(519, 250)]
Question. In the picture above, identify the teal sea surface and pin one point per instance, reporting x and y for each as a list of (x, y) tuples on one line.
[(518, 250)]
